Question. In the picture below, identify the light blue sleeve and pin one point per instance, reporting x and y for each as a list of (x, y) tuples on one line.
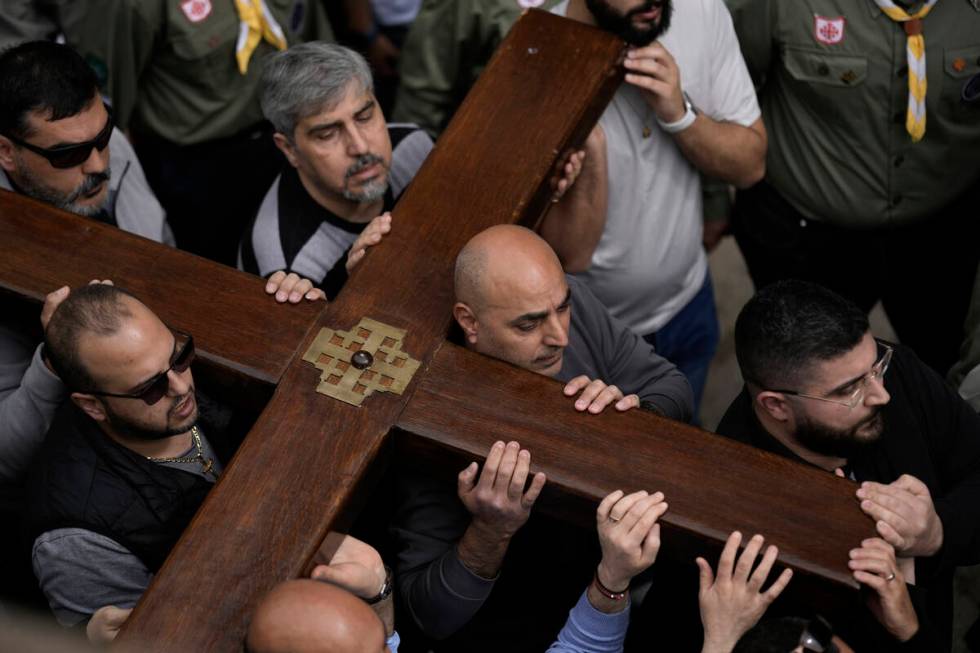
[(393, 642), (589, 631)]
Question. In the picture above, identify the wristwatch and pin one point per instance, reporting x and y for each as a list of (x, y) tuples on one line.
[(386, 589), (685, 121)]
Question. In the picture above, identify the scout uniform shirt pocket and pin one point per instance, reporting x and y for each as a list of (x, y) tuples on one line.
[(207, 47), (959, 66), (825, 80)]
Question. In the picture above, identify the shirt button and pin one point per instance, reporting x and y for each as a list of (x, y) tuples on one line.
[(823, 69), (903, 71), (896, 200), (899, 160)]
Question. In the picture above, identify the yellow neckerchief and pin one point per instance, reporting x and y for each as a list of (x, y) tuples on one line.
[(915, 47), (257, 23)]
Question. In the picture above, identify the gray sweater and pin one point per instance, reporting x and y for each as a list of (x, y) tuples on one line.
[(439, 591), (29, 396)]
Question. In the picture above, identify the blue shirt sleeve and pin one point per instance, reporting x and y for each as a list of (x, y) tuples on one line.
[(590, 631), (393, 642)]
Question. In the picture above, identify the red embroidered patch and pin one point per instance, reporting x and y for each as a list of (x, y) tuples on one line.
[(829, 31), (196, 10)]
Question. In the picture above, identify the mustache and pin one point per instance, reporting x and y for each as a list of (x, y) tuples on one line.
[(363, 161), (91, 182)]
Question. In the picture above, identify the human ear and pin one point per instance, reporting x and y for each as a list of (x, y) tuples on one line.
[(467, 321), (6, 154), (90, 405), (775, 405), (287, 148)]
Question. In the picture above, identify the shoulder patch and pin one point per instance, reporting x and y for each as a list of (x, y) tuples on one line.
[(196, 10), (829, 31)]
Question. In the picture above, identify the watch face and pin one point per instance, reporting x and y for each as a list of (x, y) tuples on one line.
[(688, 103)]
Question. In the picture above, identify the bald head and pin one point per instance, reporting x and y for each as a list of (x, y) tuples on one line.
[(303, 616), (512, 299), (501, 256)]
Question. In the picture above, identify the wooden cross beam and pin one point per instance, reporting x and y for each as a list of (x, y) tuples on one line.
[(306, 456)]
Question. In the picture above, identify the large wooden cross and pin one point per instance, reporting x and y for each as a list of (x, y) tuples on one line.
[(308, 457)]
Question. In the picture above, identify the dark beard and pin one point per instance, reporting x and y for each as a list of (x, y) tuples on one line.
[(136, 431), (621, 25), (840, 443)]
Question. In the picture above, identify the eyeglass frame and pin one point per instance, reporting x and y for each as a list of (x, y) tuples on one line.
[(877, 371), (100, 142), (187, 349)]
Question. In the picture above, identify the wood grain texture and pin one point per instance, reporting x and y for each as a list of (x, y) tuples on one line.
[(296, 470), (235, 324), (713, 485)]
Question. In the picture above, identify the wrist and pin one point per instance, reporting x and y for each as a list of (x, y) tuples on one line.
[(713, 644), (612, 582), (684, 119)]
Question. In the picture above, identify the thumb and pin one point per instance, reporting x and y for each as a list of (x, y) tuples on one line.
[(338, 574), (467, 478), (839, 472), (116, 617), (706, 576)]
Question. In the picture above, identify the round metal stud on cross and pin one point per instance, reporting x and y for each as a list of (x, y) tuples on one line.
[(361, 359)]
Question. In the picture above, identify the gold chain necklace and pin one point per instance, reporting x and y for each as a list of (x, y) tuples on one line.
[(644, 116), (207, 464)]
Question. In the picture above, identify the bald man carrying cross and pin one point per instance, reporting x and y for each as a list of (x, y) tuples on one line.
[(514, 303)]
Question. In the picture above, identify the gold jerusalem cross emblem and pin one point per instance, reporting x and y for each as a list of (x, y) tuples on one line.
[(353, 364)]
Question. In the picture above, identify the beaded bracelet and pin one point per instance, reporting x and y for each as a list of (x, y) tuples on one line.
[(608, 593)]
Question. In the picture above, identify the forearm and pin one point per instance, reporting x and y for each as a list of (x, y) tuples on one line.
[(589, 629), (574, 225), (386, 612), (725, 151), (443, 595), (25, 415), (360, 19), (482, 550)]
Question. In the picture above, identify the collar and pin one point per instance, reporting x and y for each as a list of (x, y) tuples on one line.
[(302, 208)]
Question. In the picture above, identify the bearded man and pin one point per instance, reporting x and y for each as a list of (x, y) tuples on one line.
[(347, 165), (687, 108), (820, 389), (58, 143), (125, 465)]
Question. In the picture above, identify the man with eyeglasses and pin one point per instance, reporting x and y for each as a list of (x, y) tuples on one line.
[(58, 144), (126, 464), (821, 390)]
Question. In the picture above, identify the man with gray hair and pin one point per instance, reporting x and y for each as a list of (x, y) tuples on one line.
[(347, 165)]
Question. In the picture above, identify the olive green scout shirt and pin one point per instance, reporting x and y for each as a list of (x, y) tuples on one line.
[(834, 105), (446, 49), (170, 64)]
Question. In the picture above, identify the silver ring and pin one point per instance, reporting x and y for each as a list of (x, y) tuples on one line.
[(890, 577), (613, 519)]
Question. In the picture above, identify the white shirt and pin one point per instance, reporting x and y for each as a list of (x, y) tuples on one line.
[(649, 262)]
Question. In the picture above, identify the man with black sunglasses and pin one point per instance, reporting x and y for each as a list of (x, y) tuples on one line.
[(126, 464), (821, 390), (58, 144)]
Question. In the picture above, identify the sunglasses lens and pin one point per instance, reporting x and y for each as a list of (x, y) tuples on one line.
[(70, 157), (185, 357), (156, 391), (75, 155)]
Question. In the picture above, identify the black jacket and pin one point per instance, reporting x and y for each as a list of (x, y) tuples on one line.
[(84, 479), (931, 434)]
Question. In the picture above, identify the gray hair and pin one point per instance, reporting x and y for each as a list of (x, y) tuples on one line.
[(308, 78)]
